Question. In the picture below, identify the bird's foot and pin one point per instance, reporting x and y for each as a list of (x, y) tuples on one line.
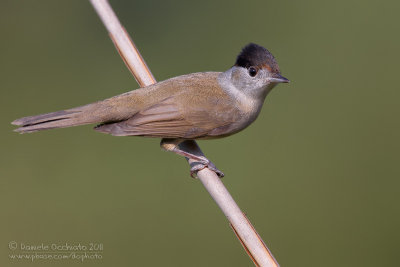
[(199, 165), (190, 150)]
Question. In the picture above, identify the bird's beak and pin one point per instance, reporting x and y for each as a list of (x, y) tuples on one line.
[(277, 78)]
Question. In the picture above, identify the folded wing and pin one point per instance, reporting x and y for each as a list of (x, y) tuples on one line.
[(172, 118)]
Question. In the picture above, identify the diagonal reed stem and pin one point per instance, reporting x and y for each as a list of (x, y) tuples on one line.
[(244, 230)]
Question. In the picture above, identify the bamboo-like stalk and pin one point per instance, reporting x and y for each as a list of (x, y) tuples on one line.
[(248, 236)]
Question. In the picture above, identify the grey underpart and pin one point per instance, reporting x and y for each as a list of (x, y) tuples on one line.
[(181, 147)]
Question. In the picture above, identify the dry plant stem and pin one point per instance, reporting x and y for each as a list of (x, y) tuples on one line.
[(242, 227), (124, 44), (244, 230)]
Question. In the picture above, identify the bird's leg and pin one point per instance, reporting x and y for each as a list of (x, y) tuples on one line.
[(171, 145), (181, 147)]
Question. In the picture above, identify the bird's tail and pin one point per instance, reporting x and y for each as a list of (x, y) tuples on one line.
[(59, 119)]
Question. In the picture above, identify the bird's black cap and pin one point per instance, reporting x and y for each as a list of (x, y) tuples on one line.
[(258, 57)]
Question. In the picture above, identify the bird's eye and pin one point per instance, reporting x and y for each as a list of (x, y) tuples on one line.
[(252, 71)]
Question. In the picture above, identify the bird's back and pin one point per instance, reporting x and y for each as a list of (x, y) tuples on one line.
[(191, 87)]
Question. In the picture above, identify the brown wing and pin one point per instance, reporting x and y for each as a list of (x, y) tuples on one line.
[(179, 116)]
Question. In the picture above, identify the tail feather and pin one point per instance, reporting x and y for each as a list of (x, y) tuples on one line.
[(113, 109), (58, 119)]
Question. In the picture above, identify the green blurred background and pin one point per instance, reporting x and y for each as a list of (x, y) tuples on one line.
[(317, 173)]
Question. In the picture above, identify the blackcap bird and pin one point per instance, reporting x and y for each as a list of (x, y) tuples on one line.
[(203, 105)]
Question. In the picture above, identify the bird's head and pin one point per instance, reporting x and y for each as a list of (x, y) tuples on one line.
[(256, 70)]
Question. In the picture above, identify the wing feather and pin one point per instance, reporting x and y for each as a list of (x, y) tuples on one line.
[(188, 114)]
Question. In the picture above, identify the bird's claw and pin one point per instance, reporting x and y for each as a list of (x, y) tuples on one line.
[(198, 166)]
